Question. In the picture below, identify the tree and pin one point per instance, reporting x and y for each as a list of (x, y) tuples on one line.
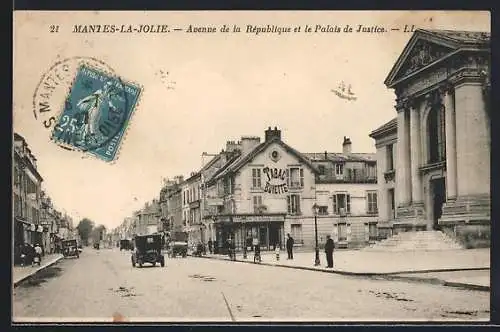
[(84, 228)]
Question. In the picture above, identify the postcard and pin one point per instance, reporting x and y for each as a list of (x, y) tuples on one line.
[(251, 166)]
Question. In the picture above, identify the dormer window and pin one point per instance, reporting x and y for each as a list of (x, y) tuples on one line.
[(339, 169)]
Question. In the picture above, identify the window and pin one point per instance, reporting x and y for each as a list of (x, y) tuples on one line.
[(323, 210), (296, 233), (392, 207), (437, 136), (341, 202), (293, 203), (342, 232), (296, 177), (321, 169), (390, 157), (184, 197), (256, 179), (372, 231), (339, 169), (371, 198), (17, 206), (257, 203)]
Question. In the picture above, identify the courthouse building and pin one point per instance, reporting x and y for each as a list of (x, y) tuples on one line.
[(434, 157)]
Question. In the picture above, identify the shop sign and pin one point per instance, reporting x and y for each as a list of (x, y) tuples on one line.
[(275, 180), (258, 218)]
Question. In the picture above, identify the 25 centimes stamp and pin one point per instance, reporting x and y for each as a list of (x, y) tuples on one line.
[(96, 113), (85, 106)]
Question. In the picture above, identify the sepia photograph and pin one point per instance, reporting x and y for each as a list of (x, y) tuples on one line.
[(251, 166)]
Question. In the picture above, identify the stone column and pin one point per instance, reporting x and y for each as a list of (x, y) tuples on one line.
[(403, 179), (415, 146), (451, 149), (472, 141)]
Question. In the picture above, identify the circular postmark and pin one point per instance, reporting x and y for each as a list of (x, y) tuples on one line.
[(82, 103)]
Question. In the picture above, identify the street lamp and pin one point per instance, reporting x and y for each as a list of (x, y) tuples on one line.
[(316, 248)]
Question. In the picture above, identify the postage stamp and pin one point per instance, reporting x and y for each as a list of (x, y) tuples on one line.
[(96, 113)]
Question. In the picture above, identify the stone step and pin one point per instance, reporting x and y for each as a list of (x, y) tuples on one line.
[(422, 240)]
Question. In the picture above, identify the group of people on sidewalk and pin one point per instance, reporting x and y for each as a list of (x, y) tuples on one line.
[(230, 246), (25, 255)]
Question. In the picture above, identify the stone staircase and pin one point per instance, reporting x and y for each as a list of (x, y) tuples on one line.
[(416, 241)]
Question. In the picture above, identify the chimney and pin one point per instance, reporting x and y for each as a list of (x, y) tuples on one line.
[(326, 155), (232, 146), (346, 145), (248, 143), (272, 133), (178, 179)]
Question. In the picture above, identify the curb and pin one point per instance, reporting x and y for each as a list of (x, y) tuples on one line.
[(36, 271), (386, 276)]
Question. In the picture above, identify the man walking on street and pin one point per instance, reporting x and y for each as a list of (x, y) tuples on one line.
[(329, 246), (289, 246)]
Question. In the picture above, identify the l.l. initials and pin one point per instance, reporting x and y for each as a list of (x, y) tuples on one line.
[(409, 29)]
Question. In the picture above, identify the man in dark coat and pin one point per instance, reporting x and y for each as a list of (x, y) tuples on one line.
[(329, 246), (289, 246), (210, 245)]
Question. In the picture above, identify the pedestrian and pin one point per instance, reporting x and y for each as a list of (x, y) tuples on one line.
[(277, 251), (329, 247), (210, 245), (289, 246), (38, 252)]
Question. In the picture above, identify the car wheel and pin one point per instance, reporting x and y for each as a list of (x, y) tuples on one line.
[(140, 263), (154, 264)]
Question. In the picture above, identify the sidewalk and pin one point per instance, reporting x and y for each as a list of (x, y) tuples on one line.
[(20, 273), (415, 265)]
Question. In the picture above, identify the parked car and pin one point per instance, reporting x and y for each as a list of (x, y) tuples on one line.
[(70, 248), (178, 248)]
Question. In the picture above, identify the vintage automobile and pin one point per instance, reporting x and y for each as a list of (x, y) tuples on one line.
[(148, 250), (70, 248), (126, 245), (178, 248)]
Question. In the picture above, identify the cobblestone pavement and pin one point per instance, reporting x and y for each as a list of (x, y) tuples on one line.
[(102, 284)]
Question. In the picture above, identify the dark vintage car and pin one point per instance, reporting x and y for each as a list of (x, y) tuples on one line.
[(70, 248), (126, 245), (178, 248), (148, 250)]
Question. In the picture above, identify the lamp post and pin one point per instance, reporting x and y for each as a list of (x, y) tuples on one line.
[(316, 248)]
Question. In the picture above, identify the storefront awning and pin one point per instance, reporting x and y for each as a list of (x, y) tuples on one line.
[(22, 220)]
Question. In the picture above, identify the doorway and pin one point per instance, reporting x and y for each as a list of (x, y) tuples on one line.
[(438, 199), (274, 234)]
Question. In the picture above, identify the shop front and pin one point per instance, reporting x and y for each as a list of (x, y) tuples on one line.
[(244, 230)]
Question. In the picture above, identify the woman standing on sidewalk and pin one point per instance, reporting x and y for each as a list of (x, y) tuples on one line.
[(329, 246)]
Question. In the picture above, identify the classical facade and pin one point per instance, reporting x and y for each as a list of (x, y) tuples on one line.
[(171, 205), (265, 190), (440, 177)]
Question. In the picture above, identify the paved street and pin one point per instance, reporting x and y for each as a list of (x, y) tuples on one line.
[(103, 283)]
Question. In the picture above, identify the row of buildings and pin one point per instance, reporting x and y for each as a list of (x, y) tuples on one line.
[(35, 218), (430, 169)]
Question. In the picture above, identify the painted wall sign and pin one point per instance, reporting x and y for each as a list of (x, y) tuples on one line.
[(275, 180)]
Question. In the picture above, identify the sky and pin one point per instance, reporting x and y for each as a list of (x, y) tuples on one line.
[(203, 89)]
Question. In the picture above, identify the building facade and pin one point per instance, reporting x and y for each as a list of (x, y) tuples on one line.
[(436, 174), (266, 190), (147, 218), (26, 192)]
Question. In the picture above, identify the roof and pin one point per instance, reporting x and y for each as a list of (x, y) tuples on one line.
[(465, 37), (241, 160), (343, 157), (444, 43), (385, 128)]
